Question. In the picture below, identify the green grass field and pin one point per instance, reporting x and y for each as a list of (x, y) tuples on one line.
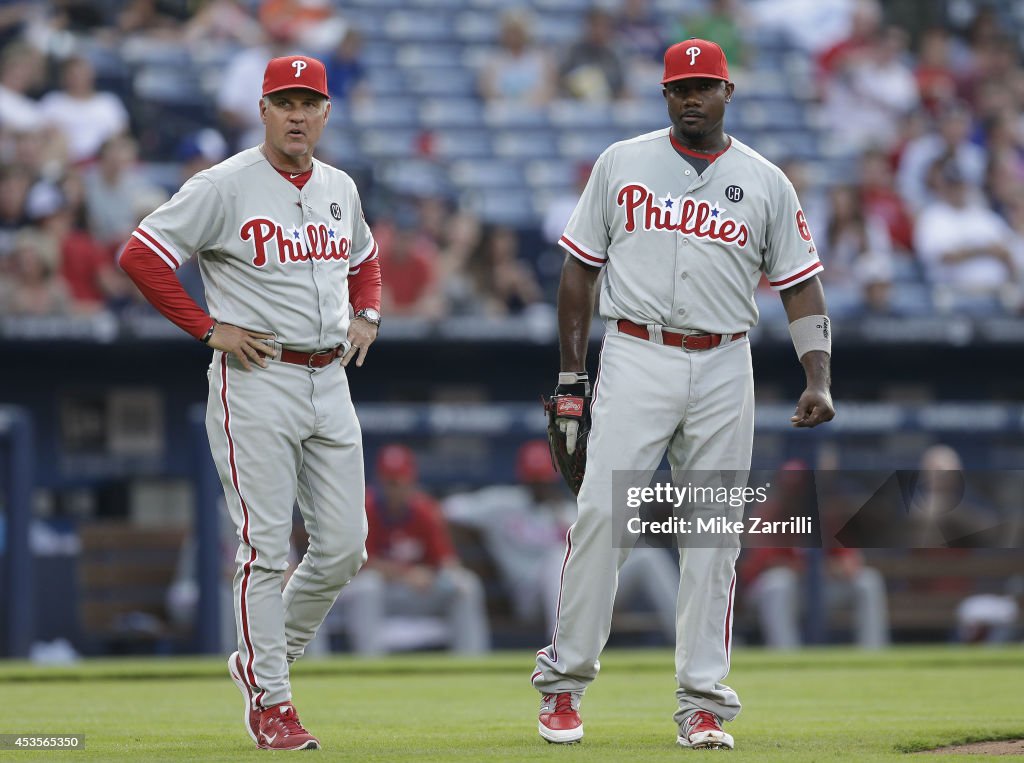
[(818, 705)]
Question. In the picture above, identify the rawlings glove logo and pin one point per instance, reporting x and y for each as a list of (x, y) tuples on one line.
[(569, 406)]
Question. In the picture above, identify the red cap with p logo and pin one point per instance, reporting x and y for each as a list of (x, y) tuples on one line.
[(295, 71), (695, 58)]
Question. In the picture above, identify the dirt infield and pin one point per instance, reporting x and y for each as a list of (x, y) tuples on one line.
[(1005, 747)]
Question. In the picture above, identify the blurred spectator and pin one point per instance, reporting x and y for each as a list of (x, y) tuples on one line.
[(851, 235), (1004, 176), (199, 151), (31, 285), (524, 528), (559, 209), (935, 75), (243, 75), (987, 618), (86, 267), (409, 258), (639, 33), (774, 577), (346, 73), (223, 21), (592, 69), (22, 70), (880, 200), (518, 71), (14, 185), (152, 19), (412, 569), (721, 22), (964, 245), (875, 274), (456, 285), (854, 47), (504, 283), (943, 511), (112, 185), (868, 90), (86, 117), (312, 24), (950, 140)]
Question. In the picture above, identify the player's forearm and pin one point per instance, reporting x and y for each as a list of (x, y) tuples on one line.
[(576, 293), (800, 301), (163, 290)]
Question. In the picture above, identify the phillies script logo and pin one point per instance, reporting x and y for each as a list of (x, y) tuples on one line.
[(686, 215), (315, 241)]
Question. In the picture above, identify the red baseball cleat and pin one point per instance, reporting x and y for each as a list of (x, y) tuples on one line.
[(251, 717), (281, 729), (560, 721), (703, 731)]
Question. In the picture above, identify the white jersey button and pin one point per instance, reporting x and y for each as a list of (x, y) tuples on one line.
[(681, 311), (687, 172), (684, 276)]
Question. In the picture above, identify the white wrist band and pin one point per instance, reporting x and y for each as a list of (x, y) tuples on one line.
[(812, 332)]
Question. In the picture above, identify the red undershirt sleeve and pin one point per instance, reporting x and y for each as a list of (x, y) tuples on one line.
[(164, 291), (364, 285)]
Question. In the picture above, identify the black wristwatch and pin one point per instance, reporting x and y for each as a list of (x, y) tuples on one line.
[(205, 339), (369, 315)]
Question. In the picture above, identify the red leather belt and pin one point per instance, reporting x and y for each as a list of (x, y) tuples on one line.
[(675, 339), (310, 359)]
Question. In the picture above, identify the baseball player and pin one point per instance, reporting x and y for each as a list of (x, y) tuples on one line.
[(683, 222), (284, 250)]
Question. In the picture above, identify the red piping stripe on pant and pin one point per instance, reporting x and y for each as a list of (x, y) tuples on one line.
[(250, 673)]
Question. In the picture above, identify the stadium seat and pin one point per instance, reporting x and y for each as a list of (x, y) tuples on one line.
[(487, 173), (526, 144), (452, 112)]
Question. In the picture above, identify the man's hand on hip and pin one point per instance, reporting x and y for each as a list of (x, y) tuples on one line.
[(361, 334), (243, 344)]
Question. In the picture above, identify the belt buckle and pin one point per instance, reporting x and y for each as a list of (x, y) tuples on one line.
[(309, 361)]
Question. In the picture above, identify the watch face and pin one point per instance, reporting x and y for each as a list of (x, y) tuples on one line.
[(370, 314)]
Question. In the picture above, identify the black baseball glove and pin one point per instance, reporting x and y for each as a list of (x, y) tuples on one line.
[(568, 413)]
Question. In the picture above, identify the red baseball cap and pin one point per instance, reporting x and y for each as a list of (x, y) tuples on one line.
[(295, 71), (396, 463), (533, 462), (695, 58)]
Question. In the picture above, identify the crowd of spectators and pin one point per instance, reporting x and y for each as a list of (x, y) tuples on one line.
[(930, 219)]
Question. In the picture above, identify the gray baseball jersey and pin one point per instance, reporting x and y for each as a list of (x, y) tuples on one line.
[(682, 250), (270, 262), (276, 259), (687, 250)]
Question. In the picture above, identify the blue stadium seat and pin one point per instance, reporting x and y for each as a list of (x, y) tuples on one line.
[(581, 144), (425, 26), (525, 144), (415, 177), (452, 112), (463, 144), (502, 206), (570, 113), (389, 144), (558, 30), (417, 55), (555, 173), (386, 81), (447, 81), (383, 112), (487, 173), (477, 27), (504, 114)]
